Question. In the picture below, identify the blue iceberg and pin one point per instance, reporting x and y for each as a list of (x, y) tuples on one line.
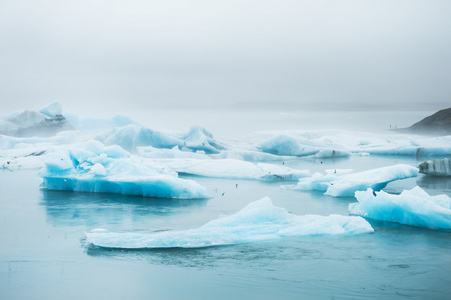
[(111, 169), (131, 137), (258, 221), (412, 207)]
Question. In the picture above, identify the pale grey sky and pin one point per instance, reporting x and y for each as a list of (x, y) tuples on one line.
[(114, 54)]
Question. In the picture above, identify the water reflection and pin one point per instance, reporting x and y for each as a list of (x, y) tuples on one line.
[(435, 184), (67, 208)]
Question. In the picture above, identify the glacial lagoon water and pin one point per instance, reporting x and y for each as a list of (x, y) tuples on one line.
[(44, 255)]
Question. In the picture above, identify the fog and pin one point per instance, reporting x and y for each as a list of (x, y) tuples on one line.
[(106, 57)]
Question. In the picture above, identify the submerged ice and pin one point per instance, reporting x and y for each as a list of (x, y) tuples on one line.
[(258, 221), (412, 207), (110, 169), (338, 185)]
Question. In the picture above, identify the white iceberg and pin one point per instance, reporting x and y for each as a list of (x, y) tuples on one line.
[(96, 168), (437, 167), (235, 169), (46, 122), (412, 207), (337, 185), (258, 221)]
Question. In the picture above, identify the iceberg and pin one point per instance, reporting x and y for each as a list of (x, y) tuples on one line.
[(131, 137), (412, 207), (336, 185), (52, 110), (111, 169), (46, 122), (438, 167), (235, 169), (258, 221), (289, 145)]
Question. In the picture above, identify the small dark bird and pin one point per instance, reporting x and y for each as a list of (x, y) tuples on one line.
[(236, 185), (223, 193)]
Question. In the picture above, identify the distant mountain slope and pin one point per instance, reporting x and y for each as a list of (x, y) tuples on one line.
[(438, 123)]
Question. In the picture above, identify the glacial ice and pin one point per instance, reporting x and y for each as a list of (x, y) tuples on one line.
[(235, 169), (412, 207), (341, 143), (438, 167), (51, 110), (110, 169), (289, 145), (258, 221), (337, 185), (98, 124), (46, 122), (130, 137)]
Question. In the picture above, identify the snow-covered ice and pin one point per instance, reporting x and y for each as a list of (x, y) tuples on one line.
[(437, 167), (412, 207), (337, 185), (235, 169), (110, 169), (258, 221)]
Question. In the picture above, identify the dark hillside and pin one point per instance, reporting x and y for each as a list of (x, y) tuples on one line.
[(437, 124)]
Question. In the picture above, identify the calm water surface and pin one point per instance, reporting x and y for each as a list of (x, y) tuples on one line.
[(43, 254)]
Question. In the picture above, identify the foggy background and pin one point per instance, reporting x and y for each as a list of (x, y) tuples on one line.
[(106, 57)]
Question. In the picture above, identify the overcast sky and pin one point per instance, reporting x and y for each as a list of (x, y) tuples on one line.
[(89, 53)]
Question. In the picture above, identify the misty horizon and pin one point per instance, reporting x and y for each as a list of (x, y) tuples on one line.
[(99, 55)]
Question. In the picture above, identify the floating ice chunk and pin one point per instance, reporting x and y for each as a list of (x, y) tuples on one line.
[(295, 146), (131, 137), (91, 169), (376, 179), (337, 185), (52, 110), (237, 169), (412, 207), (438, 167), (259, 221)]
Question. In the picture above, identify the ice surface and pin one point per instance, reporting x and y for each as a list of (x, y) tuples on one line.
[(96, 168), (412, 207), (98, 124), (130, 137), (323, 144), (237, 169), (337, 185), (52, 109), (438, 167), (289, 145), (258, 221)]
